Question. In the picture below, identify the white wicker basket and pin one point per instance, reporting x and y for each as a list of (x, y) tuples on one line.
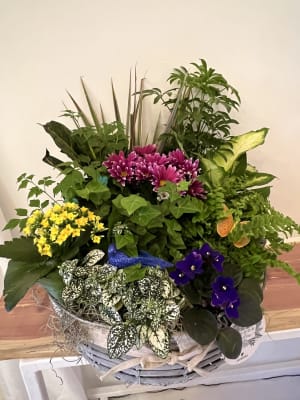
[(186, 361)]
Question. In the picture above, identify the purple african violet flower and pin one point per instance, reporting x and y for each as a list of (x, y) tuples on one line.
[(231, 309), (191, 265), (212, 257), (225, 296), (180, 278), (223, 291)]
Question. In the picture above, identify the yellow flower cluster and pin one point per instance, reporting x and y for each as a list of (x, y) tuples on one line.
[(60, 223)]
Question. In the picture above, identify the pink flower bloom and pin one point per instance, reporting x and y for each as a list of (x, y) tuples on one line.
[(163, 174), (176, 157), (156, 159), (196, 189), (120, 167), (186, 167), (143, 170), (141, 151)]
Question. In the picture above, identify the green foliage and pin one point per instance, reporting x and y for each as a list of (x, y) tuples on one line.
[(201, 325), (200, 106), (31, 272), (120, 339), (142, 304), (230, 342), (85, 145)]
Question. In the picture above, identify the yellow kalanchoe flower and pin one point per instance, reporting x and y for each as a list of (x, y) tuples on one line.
[(61, 223)]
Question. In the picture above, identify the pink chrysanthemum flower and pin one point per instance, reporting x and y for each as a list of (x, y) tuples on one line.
[(163, 174), (141, 151), (120, 167), (156, 159), (177, 157), (143, 170), (196, 189), (186, 167)]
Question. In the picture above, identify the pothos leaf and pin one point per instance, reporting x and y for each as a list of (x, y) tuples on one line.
[(120, 339)]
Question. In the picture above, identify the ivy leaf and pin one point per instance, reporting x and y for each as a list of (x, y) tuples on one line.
[(230, 342), (185, 205), (124, 240), (133, 203), (134, 273), (201, 325), (120, 339), (144, 215), (14, 287)]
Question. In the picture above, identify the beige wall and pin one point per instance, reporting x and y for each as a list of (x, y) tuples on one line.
[(46, 45)]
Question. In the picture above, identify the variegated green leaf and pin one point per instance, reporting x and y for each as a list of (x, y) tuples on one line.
[(120, 340), (142, 335), (109, 299), (229, 152), (159, 341), (109, 315), (166, 289), (105, 271), (92, 258), (172, 312)]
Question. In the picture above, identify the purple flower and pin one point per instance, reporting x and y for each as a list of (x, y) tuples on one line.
[(191, 265), (225, 296), (223, 291), (212, 257), (231, 309), (180, 278)]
